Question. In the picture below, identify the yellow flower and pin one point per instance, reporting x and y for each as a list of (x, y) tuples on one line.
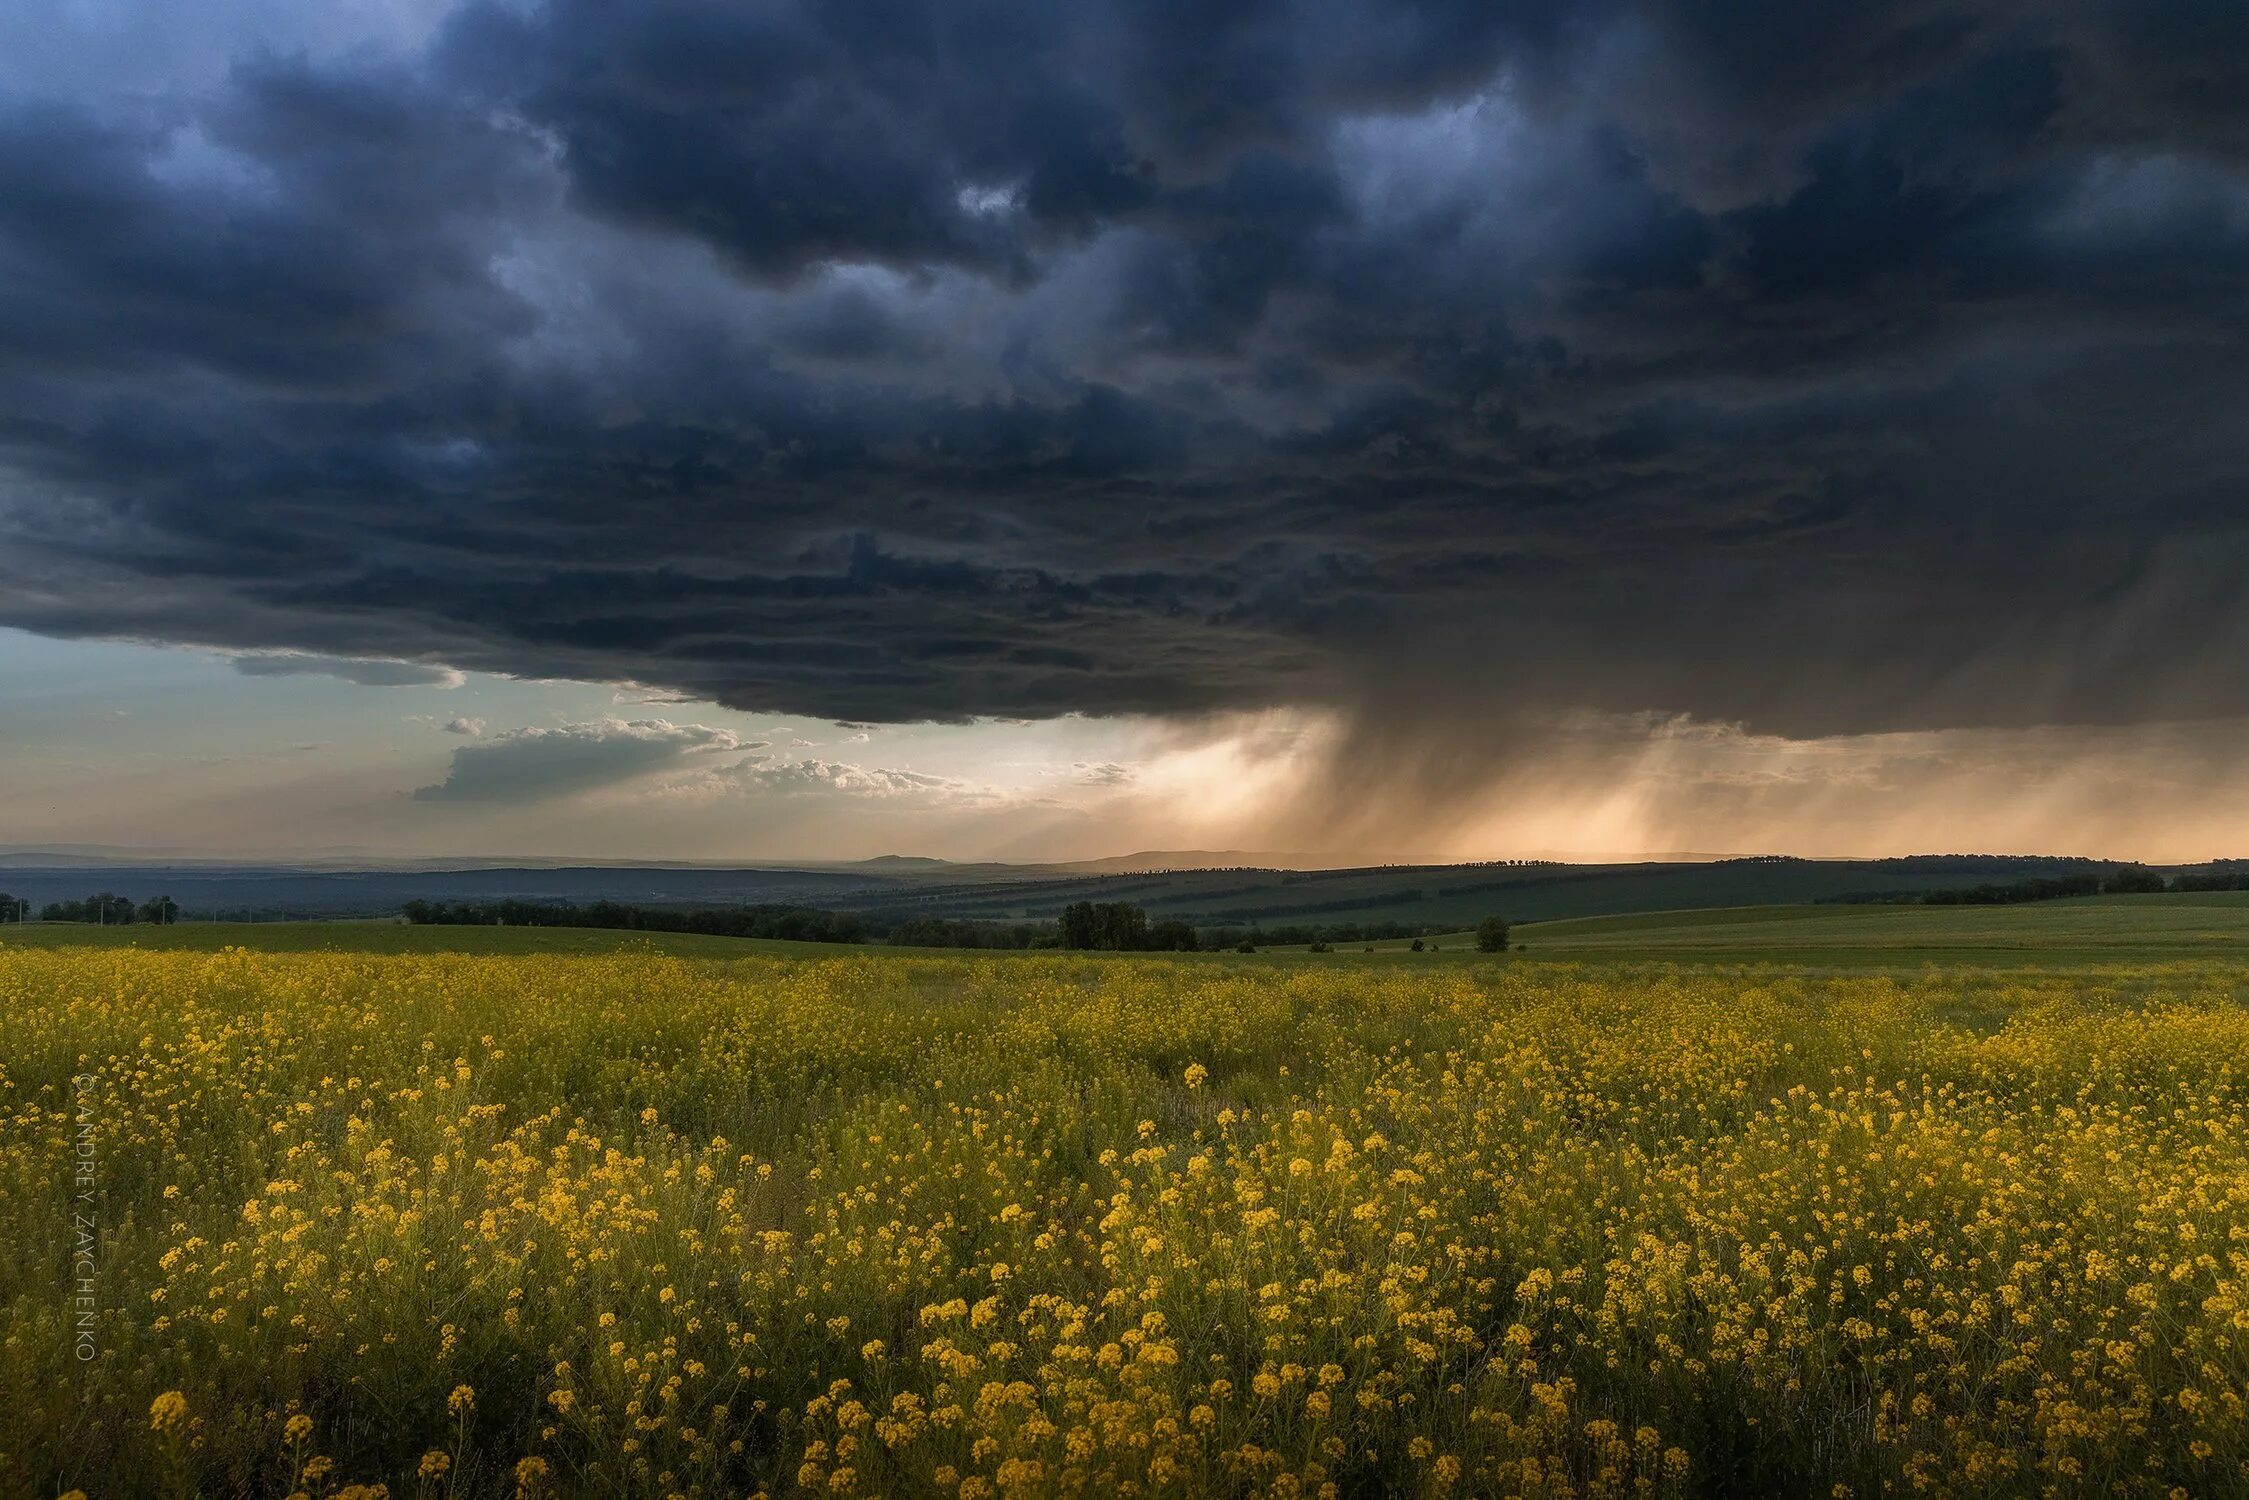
[(167, 1411), (297, 1428), (1196, 1075), (463, 1400), (435, 1463)]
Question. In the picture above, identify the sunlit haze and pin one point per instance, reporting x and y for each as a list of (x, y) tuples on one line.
[(142, 748)]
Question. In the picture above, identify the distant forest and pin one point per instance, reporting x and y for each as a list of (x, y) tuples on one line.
[(2111, 880), (104, 909), (1110, 926)]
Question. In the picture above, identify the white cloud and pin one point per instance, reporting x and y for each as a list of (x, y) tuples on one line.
[(768, 776)]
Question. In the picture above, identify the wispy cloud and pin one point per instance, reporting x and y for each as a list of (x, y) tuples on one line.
[(756, 776), (367, 671)]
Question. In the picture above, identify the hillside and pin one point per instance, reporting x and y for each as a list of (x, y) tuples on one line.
[(1433, 896)]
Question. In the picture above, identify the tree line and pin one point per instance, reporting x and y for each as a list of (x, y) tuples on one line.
[(105, 908), (805, 924), (1084, 926), (2224, 875), (2113, 880), (1120, 927)]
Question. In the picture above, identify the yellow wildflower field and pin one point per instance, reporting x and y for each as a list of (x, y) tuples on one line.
[(340, 1224)]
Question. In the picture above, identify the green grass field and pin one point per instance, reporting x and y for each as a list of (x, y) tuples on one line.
[(390, 937), (398, 937), (2095, 930), (2099, 929)]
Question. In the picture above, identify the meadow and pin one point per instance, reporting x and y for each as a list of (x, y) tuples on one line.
[(636, 1223), (2091, 932)]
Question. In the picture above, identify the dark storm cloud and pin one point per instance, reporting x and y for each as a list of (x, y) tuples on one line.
[(892, 360)]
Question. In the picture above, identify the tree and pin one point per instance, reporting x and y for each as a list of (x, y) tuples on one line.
[(1124, 927), (162, 910), (1172, 935), (1111, 926), (1417, 945), (1080, 925), (1491, 935)]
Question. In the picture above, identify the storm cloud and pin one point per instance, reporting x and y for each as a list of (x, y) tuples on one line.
[(1818, 372)]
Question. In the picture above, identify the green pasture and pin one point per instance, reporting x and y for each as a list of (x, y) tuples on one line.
[(2093, 930)]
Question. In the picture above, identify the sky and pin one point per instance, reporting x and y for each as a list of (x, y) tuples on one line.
[(726, 430)]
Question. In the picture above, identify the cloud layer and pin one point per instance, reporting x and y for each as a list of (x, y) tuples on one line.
[(533, 764), (658, 758), (1441, 363), (366, 672)]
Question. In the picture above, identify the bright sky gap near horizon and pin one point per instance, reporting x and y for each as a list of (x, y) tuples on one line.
[(1445, 431)]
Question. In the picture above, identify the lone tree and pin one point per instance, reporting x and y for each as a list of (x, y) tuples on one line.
[(1491, 935)]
